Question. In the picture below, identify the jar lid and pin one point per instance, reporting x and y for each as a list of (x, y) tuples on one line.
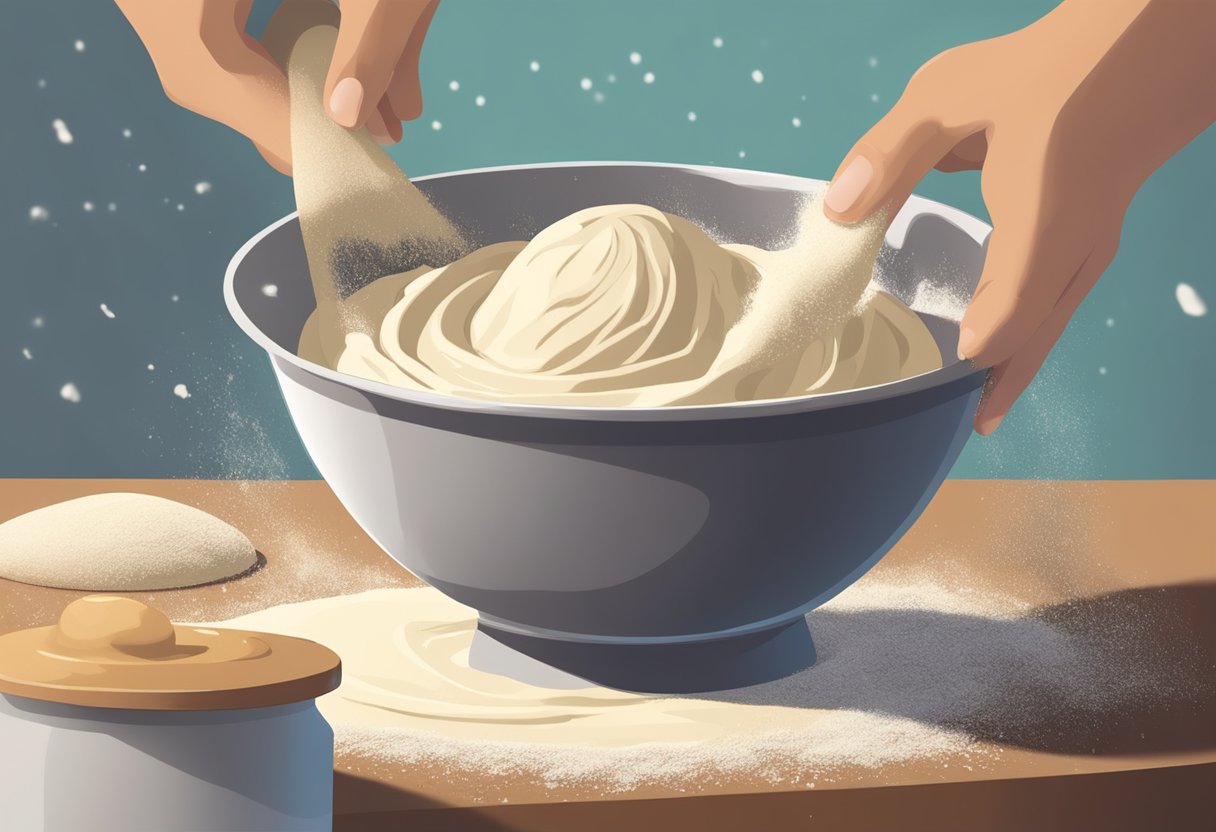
[(108, 651)]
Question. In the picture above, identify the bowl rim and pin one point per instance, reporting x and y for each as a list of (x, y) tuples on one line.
[(975, 228)]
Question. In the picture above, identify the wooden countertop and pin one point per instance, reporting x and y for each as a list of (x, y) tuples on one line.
[(1105, 548)]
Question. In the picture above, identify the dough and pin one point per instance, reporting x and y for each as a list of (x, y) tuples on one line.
[(617, 305), (121, 542), (627, 305)]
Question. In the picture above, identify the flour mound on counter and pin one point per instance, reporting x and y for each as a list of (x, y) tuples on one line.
[(121, 542)]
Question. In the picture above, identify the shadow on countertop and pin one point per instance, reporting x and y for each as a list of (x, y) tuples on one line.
[(1126, 672)]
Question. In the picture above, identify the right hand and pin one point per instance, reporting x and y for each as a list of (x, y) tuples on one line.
[(207, 63), (1066, 118)]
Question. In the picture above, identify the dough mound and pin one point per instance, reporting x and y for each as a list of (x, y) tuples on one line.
[(626, 305), (121, 542)]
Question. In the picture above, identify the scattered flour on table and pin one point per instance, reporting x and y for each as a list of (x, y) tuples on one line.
[(907, 669), (121, 542)]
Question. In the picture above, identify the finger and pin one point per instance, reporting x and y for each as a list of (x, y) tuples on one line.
[(1029, 264), (392, 123), (969, 154), (887, 162), (405, 90), (383, 124), (377, 128), (371, 37), (1008, 380)]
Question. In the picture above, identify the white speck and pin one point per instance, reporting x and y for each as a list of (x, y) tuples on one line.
[(270, 290), (1110, 321), (480, 101), (112, 207), (611, 78), (534, 66), (166, 200), (126, 132), (88, 206), (1101, 371), (180, 391), (37, 322), (61, 131), (69, 392), (41, 83), (436, 125), (174, 298), (599, 97), (742, 154), (797, 122), (151, 367), (26, 352), (757, 76), (454, 86), (142, 167), (202, 187), (692, 116), (717, 42), (635, 58), (873, 62), (1190, 301), (39, 214), (105, 310), (181, 207), (648, 78), (874, 97), (79, 46), (585, 83)]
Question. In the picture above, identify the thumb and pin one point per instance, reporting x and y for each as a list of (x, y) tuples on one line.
[(887, 163), (371, 38)]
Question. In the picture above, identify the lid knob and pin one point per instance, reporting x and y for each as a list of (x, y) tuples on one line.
[(111, 622)]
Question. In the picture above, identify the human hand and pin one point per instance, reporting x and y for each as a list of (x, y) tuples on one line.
[(209, 64), (1066, 118)]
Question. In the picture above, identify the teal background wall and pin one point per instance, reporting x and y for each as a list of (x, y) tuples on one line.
[(1128, 393)]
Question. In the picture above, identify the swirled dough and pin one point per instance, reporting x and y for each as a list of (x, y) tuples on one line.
[(626, 305), (616, 305)]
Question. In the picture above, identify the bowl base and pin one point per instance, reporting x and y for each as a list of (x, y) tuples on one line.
[(677, 667)]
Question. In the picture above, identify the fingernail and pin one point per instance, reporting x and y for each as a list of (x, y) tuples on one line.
[(345, 101), (966, 343), (843, 193)]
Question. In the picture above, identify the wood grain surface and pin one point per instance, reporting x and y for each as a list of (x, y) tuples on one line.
[(1101, 550)]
